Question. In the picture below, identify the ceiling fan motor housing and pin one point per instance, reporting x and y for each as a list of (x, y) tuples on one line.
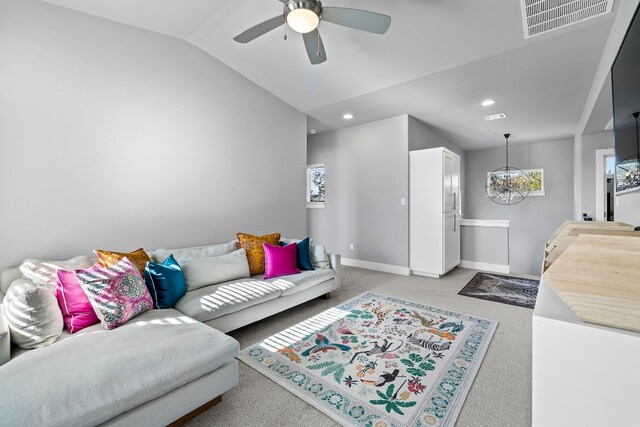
[(314, 6)]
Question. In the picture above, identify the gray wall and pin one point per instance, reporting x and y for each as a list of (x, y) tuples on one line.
[(366, 176), (536, 218), (484, 244), (367, 173), (591, 143), (115, 137)]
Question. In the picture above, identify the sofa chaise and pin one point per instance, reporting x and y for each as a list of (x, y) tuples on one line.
[(164, 366)]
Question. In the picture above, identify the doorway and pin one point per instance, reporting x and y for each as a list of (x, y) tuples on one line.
[(605, 184)]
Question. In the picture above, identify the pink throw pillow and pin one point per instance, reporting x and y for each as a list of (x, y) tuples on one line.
[(117, 293), (77, 311), (280, 260)]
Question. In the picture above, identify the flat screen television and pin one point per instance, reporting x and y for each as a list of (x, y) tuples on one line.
[(625, 80)]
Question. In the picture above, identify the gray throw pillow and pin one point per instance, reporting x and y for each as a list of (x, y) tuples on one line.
[(319, 257), (33, 314), (204, 271)]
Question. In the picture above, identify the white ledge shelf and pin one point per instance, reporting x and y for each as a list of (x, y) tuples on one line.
[(501, 223)]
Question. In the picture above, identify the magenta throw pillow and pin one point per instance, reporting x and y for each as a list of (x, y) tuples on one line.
[(280, 260), (117, 293), (77, 311)]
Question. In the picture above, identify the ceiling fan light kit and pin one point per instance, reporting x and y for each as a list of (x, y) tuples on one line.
[(304, 16)]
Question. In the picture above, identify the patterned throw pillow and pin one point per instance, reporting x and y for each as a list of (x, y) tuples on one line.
[(255, 252), (117, 293), (139, 258)]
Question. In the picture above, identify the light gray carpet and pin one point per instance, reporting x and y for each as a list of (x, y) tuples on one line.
[(500, 395)]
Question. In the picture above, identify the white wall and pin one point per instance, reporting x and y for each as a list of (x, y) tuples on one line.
[(367, 173), (537, 217), (115, 137), (591, 143), (628, 206)]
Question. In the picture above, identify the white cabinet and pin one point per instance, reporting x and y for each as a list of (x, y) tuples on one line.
[(583, 374), (434, 211)]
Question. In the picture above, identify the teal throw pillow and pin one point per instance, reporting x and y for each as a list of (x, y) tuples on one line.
[(165, 282), (303, 257)]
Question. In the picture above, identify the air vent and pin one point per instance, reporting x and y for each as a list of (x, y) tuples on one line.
[(542, 16), (496, 116)]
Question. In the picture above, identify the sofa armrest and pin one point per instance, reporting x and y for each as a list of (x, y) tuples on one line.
[(334, 260), (5, 339)]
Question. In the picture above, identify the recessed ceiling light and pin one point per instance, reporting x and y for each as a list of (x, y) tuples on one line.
[(496, 116), (347, 116), (312, 131), (488, 102)]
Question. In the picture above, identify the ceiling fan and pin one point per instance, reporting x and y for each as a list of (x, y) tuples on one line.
[(304, 16)]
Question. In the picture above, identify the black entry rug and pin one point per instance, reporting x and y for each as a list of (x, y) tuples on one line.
[(505, 289)]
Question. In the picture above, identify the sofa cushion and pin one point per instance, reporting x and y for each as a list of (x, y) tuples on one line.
[(116, 293), (319, 257), (77, 311), (139, 258), (280, 260), (197, 251), (255, 251), (217, 300), (43, 272), (303, 255), (205, 271), (32, 314), (96, 375), (165, 281), (299, 282)]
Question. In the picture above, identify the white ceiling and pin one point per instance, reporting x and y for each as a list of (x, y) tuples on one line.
[(438, 60)]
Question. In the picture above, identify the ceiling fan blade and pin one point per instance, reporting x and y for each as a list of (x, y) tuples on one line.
[(358, 19), (315, 47), (260, 29)]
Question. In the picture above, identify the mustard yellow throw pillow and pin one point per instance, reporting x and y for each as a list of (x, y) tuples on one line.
[(139, 258), (255, 251)]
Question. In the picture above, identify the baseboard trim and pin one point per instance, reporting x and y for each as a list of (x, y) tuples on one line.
[(495, 268), (376, 266)]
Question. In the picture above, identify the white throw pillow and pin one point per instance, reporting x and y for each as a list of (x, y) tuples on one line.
[(33, 314), (43, 272), (319, 257), (204, 271), (5, 338), (197, 251)]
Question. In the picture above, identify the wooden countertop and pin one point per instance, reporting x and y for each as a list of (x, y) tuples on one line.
[(586, 224), (598, 277)]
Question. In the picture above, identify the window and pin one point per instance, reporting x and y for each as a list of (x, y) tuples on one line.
[(315, 186), (536, 181)]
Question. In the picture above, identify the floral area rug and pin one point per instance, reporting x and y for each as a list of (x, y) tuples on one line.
[(378, 361), (505, 289)]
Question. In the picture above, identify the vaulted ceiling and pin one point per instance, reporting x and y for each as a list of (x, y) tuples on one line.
[(437, 62)]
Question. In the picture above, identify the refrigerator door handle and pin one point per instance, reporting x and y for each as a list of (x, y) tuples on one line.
[(455, 200), (454, 222)]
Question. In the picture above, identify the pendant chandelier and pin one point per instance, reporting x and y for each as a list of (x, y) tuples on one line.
[(507, 185)]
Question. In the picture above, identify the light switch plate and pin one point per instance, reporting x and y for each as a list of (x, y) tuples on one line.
[(403, 201)]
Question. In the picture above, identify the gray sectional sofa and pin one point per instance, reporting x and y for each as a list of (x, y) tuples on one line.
[(163, 366)]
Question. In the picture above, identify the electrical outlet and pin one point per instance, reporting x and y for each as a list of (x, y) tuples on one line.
[(403, 201), (350, 246)]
